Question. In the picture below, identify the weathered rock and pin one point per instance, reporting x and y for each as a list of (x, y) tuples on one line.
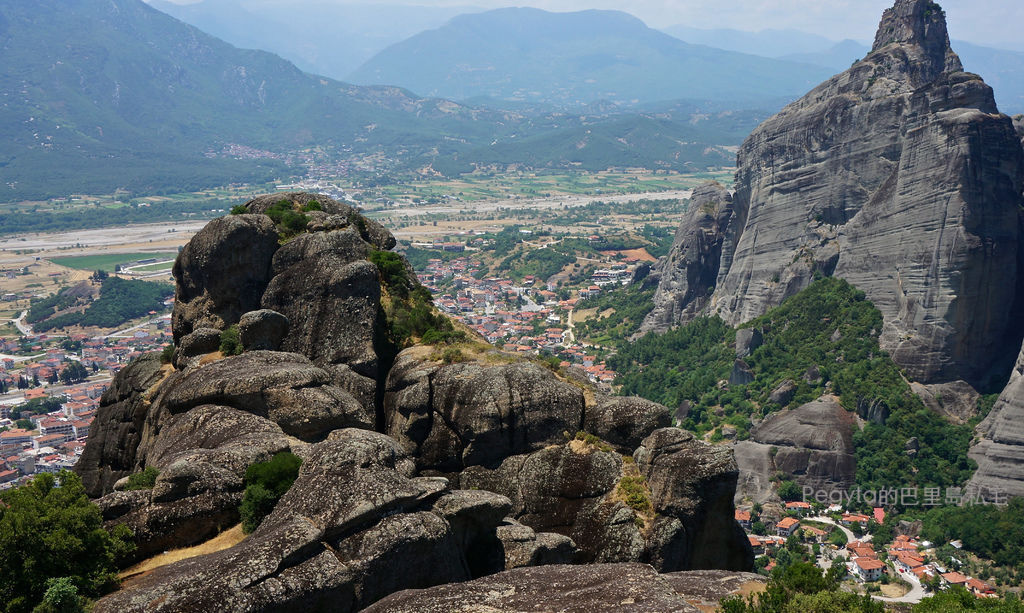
[(572, 490), (458, 415), (110, 450), (330, 294), (283, 387), (336, 215), (351, 530), (689, 273), (741, 373), (625, 422), (222, 272), (202, 456), (618, 588), (784, 393), (957, 401), (524, 547), (262, 330), (694, 483), (199, 342), (812, 444), (747, 340), (1000, 450), (898, 175)]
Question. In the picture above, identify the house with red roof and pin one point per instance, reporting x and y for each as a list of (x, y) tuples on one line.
[(787, 526), (868, 569)]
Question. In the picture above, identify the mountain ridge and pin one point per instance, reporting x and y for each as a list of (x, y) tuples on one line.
[(508, 53)]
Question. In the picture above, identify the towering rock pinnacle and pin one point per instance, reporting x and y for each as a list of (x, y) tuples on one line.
[(919, 25), (899, 175)]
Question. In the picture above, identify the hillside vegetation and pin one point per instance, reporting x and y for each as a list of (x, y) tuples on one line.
[(825, 340)]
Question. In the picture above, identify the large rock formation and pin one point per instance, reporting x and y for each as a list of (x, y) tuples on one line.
[(681, 519), (812, 444), (899, 175), (467, 414), (320, 281), (1000, 450), (611, 588), (371, 514), (687, 276)]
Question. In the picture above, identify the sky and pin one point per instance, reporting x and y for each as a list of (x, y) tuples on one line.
[(989, 22)]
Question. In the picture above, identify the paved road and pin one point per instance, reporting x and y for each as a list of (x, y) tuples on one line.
[(849, 535), (915, 594), (24, 328)]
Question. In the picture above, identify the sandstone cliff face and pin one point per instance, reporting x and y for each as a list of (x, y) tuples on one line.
[(899, 175), (374, 513), (1000, 450), (811, 444), (690, 271)]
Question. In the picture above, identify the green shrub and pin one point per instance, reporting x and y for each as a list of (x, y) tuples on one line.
[(230, 343), (144, 480), (50, 529), (239, 209), (289, 221), (633, 489), (265, 484), (312, 205), (61, 597), (452, 355), (167, 354)]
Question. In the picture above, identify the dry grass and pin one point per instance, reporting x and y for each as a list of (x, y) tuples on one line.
[(224, 540), (894, 590)]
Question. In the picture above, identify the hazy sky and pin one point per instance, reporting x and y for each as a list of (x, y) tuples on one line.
[(983, 21)]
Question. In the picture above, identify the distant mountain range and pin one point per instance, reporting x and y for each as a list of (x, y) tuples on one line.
[(1001, 68), (137, 100), (319, 37), (571, 59)]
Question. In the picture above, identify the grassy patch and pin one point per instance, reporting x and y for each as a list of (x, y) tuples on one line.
[(108, 261)]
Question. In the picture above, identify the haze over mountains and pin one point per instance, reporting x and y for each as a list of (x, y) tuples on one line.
[(527, 54)]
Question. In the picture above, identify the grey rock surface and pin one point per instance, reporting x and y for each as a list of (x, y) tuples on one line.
[(331, 295), (694, 483), (336, 215), (956, 401), (466, 414), (625, 421), (111, 448), (690, 271), (898, 175), (283, 387), (222, 272), (612, 588), (196, 344), (811, 444), (352, 529), (999, 451), (262, 330), (202, 456)]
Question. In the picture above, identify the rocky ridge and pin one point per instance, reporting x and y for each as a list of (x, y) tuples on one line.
[(899, 175), (408, 476)]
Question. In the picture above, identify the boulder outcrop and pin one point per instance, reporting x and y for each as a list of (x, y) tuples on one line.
[(811, 444), (374, 513), (355, 527), (451, 416), (899, 175), (683, 493), (114, 437), (612, 588)]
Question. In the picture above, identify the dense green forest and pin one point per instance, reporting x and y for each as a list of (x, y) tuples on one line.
[(120, 301), (993, 532), (631, 304), (825, 340)]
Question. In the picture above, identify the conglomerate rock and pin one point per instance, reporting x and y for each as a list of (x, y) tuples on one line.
[(611, 588), (899, 175)]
